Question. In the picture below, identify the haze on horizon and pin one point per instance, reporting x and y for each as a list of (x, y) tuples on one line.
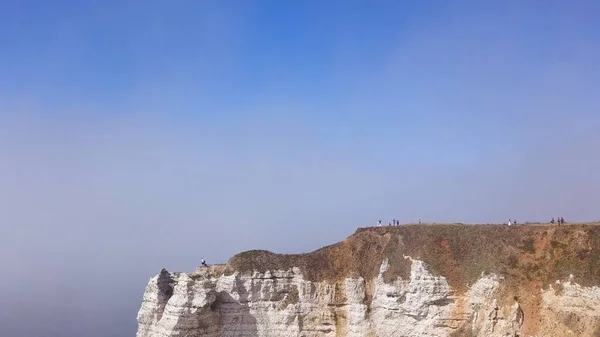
[(137, 136)]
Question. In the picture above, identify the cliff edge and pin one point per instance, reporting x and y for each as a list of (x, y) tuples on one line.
[(411, 280)]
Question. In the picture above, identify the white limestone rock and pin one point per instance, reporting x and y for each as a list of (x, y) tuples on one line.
[(283, 303)]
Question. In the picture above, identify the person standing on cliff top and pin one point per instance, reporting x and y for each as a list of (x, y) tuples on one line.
[(203, 262), (379, 223)]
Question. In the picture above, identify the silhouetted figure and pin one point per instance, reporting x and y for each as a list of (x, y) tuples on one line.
[(562, 220), (419, 221), (379, 223), (552, 221), (389, 223), (203, 262)]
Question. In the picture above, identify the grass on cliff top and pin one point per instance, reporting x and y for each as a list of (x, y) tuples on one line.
[(351, 257), (461, 253)]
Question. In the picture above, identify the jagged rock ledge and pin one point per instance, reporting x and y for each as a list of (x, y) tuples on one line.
[(415, 280)]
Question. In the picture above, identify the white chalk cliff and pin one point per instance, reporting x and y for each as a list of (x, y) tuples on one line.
[(210, 302)]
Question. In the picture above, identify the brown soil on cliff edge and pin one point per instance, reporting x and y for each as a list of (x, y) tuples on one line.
[(526, 254)]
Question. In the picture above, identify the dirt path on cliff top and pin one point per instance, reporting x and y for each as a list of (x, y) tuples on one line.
[(461, 253)]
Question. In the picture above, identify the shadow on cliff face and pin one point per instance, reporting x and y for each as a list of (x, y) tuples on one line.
[(165, 285), (235, 318)]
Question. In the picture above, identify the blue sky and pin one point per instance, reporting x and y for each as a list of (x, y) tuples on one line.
[(136, 136)]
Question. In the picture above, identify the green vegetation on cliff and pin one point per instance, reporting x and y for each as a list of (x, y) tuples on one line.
[(460, 253)]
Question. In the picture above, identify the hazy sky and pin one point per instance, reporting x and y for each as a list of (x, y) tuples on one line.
[(149, 134)]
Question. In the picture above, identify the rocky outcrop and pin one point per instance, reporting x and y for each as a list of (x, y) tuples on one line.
[(236, 300)]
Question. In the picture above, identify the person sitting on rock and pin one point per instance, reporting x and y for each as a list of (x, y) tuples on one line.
[(203, 262)]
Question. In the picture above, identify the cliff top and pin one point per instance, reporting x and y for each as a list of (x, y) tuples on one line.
[(538, 253)]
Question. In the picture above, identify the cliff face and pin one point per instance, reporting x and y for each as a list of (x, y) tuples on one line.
[(425, 280)]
